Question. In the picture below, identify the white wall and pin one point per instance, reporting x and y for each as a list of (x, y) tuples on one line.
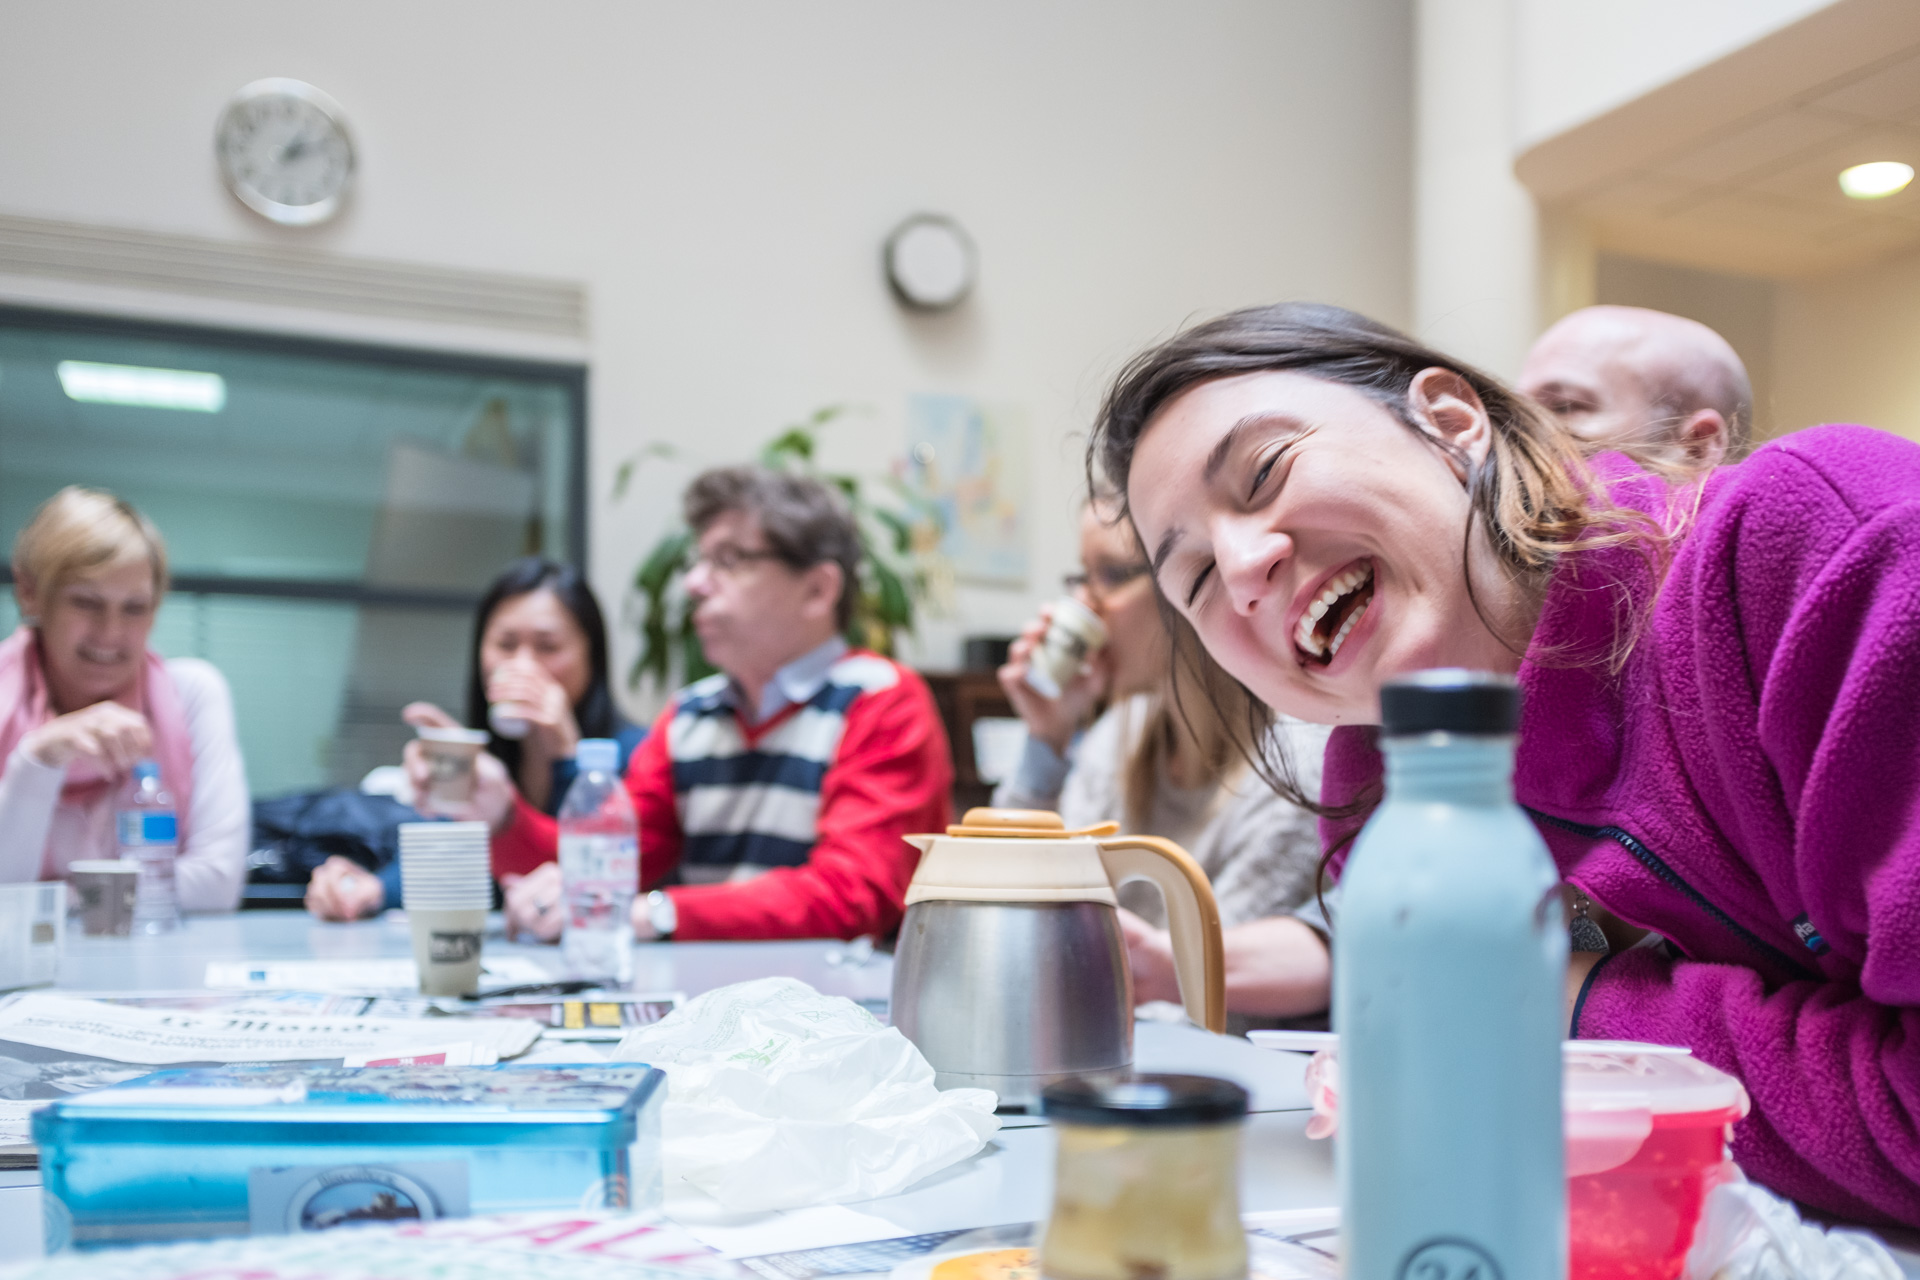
[(1577, 59), (1845, 349), (1476, 287), (721, 176)]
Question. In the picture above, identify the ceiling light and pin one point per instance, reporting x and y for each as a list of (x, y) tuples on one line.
[(1871, 181), (148, 388)]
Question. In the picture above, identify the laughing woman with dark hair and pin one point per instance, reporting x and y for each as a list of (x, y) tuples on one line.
[(538, 673), (1718, 740)]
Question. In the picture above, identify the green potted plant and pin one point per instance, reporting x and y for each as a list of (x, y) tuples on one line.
[(892, 539)]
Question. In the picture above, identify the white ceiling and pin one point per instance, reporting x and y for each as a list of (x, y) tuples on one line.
[(1738, 170)]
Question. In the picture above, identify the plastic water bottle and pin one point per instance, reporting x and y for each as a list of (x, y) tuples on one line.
[(1450, 958), (149, 834), (599, 866)]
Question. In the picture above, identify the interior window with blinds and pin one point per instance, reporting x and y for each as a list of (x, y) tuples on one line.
[(332, 512)]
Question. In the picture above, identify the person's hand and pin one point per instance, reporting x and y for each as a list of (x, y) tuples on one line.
[(341, 889), (493, 789), (534, 905), (1150, 956), (117, 737), (540, 700), (1053, 721), (424, 715)]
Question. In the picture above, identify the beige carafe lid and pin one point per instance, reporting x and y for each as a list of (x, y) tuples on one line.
[(1012, 855)]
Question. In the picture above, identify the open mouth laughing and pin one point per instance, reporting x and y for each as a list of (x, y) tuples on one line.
[(1327, 622)]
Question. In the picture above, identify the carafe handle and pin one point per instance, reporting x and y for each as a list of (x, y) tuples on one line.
[(1193, 918)]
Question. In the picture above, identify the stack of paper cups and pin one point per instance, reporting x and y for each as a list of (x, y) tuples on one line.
[(448, 887)]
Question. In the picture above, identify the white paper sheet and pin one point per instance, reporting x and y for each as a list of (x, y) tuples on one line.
[(16, 1120), (397, 975), (463, 1053), (738, 1236), (157, 1037)]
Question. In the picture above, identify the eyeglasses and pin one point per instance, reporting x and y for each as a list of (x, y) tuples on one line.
[(1106, 579), (727, 558)]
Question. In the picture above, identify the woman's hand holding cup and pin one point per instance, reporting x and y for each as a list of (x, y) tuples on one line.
[(490, 799), (117, 737), (522, 693), (1052, 720)]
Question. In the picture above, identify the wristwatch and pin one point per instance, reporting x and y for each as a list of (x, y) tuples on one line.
[(662, 916)]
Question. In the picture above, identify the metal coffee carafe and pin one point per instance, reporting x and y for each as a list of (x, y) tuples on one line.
[(1011, 970)]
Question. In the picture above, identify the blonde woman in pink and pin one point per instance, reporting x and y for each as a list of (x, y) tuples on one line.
[(83, 699)]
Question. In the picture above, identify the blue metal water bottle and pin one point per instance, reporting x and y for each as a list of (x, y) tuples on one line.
[(1450, 958)]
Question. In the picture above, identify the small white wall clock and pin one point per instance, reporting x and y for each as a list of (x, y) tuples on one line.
[(285, 152), (930, 262)]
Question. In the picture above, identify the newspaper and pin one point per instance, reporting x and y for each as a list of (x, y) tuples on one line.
[(577, 1245), (165, 1037), (596, 1016), (1291, 1244), (16, 1120)]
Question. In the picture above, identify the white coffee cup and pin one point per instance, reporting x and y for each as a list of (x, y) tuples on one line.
[(1075, 634), (450, 754), (446, 949), (507, 721)]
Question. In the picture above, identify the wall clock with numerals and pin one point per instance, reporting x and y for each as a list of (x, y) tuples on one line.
[(285, 152)]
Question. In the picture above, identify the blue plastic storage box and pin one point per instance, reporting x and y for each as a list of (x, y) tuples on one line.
[(267, 1150)]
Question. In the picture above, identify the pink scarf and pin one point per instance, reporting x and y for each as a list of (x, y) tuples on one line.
[(24, 707)]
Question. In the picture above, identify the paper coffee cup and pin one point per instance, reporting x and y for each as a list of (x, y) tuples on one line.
[(450, 754), (445, 866), (1075, 634), (103, 893), (507, 721), (446, 949)]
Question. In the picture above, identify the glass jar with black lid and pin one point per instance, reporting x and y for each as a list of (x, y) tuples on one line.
[(1146, 1178)]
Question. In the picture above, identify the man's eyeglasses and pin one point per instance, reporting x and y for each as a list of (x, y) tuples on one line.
[(727, 558), (1105, 579)]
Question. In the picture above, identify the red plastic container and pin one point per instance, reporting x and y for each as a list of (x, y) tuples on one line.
[(1647, 1134), (1647, 1137)]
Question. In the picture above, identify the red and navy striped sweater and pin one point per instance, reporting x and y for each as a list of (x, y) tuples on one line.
[(786, 829)]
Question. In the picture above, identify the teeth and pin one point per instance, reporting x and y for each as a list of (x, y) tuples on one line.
[(1340, 636), (1329, 596)]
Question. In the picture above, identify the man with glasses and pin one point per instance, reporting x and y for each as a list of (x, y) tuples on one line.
[(772, 796)]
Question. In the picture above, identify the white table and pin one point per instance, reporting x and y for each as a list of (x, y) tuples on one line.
[(1010, 1181)]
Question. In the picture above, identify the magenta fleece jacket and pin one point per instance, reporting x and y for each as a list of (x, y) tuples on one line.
[(1748, 786)]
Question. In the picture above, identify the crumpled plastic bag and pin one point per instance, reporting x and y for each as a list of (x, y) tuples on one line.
[(1748, 1233), (779, 1097)]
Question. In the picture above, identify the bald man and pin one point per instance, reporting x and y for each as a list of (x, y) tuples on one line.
[(1661, 387)]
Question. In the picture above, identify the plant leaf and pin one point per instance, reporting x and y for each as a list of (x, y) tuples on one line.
[(670, 557)]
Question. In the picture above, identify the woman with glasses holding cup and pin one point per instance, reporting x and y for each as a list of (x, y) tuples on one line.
[(537, 684), (1110, 736)]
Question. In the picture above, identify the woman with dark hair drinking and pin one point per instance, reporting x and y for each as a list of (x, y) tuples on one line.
[(538, 682), (1717, 738)]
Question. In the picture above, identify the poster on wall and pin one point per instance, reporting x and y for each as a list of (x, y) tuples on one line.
[(969, 461)]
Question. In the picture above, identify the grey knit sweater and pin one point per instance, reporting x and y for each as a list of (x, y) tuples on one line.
[(1259, 850)]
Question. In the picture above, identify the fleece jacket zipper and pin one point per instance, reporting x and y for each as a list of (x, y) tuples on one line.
[(1654, 863)]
